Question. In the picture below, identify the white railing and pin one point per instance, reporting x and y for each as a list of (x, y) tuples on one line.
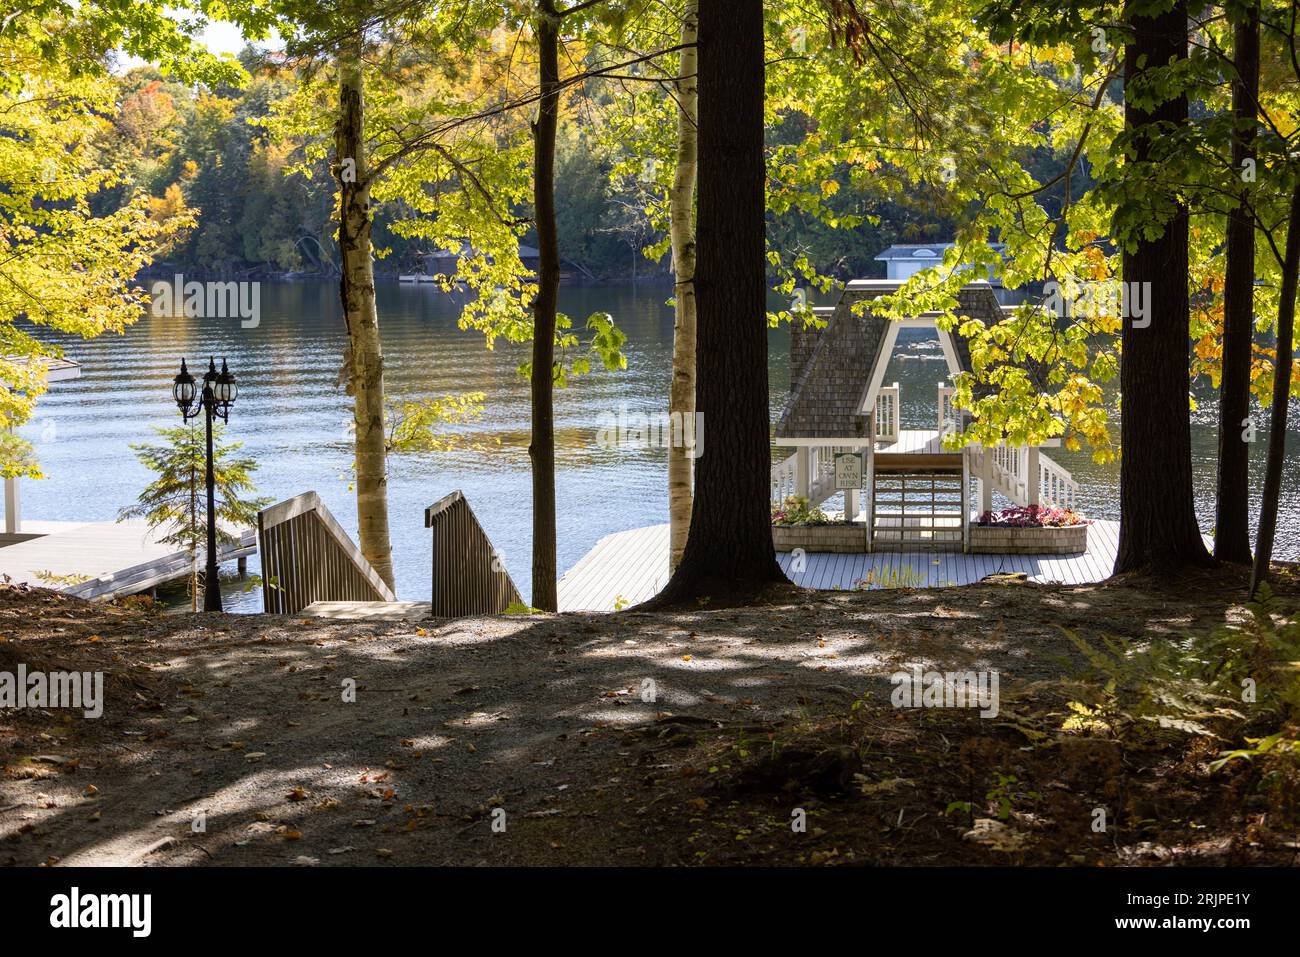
[(887, 413), (1010, 468), (821, 468), (949, 418), (784, 479), (1056, 487)]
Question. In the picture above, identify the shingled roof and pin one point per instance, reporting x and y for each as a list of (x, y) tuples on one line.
[(831, 368)]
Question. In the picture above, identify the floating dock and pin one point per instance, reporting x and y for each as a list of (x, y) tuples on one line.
[(100, 559), (629, 567)]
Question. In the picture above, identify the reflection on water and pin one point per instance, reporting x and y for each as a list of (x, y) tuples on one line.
[(293, 420)]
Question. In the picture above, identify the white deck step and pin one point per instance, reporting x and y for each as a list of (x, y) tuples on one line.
[(917, 511), (372, 610)]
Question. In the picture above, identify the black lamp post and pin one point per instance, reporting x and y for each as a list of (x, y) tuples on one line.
[(216, 398)]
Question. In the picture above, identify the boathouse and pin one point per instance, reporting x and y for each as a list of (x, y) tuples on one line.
[(914, 493)]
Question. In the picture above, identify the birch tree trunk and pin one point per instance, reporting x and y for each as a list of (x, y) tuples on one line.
[(363, 363), (1232, 494), (1281, 396), (541, 449), (681, 201)]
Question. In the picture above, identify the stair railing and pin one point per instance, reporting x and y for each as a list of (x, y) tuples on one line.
[(1010, 471), (469, 577), (949, 417), (1057, 488), (784, 479), (887, 413), (307, 557)]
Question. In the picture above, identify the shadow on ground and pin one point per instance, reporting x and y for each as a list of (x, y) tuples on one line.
[(254, 740)]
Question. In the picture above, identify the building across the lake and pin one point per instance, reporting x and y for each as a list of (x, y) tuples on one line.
[(443, 263), (904, 260)]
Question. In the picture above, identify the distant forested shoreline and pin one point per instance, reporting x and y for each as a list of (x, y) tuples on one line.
[(205, 149)]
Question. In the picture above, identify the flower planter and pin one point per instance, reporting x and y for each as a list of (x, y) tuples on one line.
[(839, 537), (1029, 540)]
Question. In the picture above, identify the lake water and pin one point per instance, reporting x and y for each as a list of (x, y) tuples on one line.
[(293, 421)]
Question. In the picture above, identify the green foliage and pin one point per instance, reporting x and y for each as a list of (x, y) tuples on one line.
[(905, 576), (1146, 686), (1241, 682), (415, 426), (519, 608), (63, 265), (175, 502), (61, 581)]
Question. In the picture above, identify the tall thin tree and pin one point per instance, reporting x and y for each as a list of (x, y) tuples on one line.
[(541, 449), (1281, 397), (681, 201), (363, 363), (1232, 494)]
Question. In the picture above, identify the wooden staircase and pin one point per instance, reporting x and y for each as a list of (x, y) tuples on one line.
[(917, 509), (308, 558)]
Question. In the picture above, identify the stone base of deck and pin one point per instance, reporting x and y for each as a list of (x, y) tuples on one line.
[(844, 538), (1009, 540)]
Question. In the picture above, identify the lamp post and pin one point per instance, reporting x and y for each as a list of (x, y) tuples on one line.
[(215, 399)]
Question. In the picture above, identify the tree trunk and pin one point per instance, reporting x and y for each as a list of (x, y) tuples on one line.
[(1232, 496), (542, 448), (1158, 530), (681, 203), (729, 551), (363, 363), (1281, 396)]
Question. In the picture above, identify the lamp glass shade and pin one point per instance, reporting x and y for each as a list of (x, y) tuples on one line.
[(225, 388), (183, 389)]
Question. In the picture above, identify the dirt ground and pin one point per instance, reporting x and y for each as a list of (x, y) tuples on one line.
[(696, 737)]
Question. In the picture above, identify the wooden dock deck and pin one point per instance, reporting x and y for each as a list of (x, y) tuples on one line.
[(629, 567), (102, 559)]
